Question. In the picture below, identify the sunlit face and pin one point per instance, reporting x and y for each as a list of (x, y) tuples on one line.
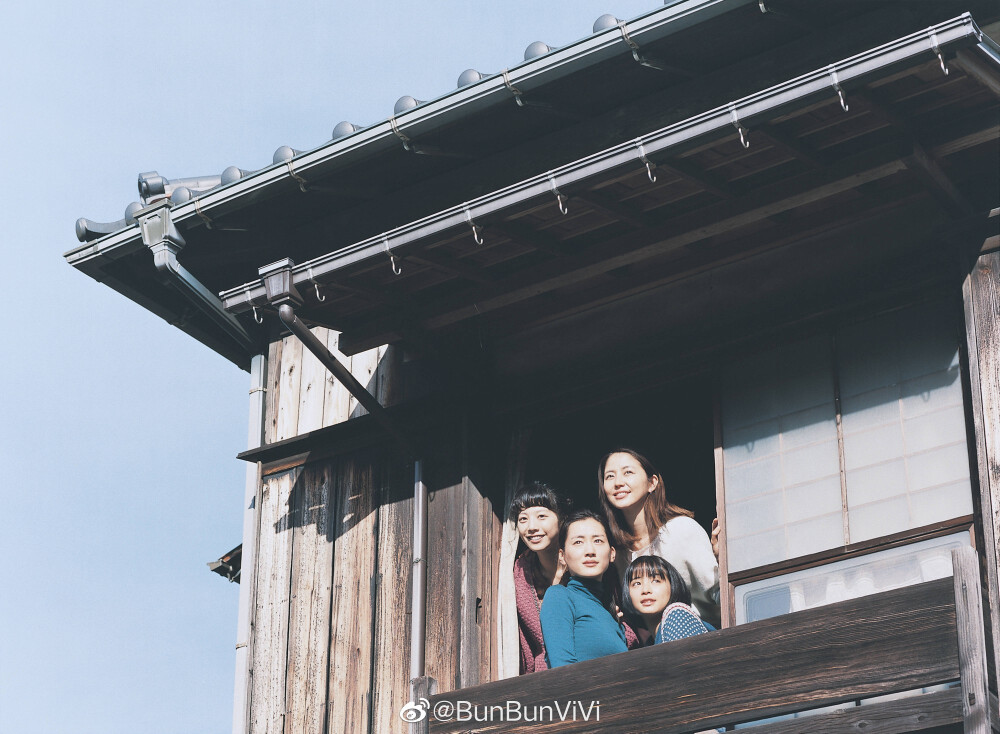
[(587, 552), (650, 594), (538, 527), (626, 483)]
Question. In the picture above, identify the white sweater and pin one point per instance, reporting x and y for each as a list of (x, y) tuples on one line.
[(685, 545)]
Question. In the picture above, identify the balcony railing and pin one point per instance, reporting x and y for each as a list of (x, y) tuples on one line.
[(902, 640)]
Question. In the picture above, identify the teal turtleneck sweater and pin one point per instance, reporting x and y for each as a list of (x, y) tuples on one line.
[(576, 623)]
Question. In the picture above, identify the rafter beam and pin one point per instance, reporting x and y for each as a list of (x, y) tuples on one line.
[(613, 209), (691, 173), (795, 148)]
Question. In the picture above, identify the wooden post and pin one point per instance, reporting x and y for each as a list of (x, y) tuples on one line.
[(422, 688), (971, 640), (981, 296)]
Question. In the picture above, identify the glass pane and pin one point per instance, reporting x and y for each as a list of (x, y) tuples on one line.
[(903, 422), (780, 455), (848, 579)]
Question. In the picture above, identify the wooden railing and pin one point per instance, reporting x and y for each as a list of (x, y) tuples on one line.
[(900, 640)]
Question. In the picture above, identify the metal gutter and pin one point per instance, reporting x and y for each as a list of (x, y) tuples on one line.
[(164, 240), (430, 116), (726, 119)]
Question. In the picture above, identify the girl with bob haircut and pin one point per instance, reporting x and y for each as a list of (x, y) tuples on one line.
[(579, 620), (534, 513), (654, 593), (643, 522)]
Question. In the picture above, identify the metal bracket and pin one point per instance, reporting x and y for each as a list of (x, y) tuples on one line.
[(319, 296), (298, 179), (396, 269), (475, 227), (650, 166), (734, 116), (399, 133), (936, 48), (836, 86), (560, 198), (639, 57), (256, 316), (513, 90)]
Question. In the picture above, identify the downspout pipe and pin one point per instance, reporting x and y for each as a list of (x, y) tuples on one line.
[(161, 236), (287, 315), (418, 600), (418, 605)]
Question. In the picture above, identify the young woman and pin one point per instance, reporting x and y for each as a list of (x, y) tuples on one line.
[(534, 512), (654, 593), (579, 621), (643, 522)]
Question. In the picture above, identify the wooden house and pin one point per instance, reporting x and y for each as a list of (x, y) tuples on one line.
[(758, 240)]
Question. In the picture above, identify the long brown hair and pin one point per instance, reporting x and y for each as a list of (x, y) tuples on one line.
[(658, 511)]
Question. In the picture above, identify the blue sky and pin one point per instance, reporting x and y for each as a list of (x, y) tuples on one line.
[(119, 432)]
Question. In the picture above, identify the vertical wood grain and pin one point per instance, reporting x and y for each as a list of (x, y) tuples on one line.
[(273, 387), (981, 298), (271, 605), (392, 607), (971, 640), (312, 389), (726, 596), (354, 563), (363, 367), (289, 381), (309, 610), (337, 398)]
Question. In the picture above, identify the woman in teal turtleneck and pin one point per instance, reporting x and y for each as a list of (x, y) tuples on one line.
[(577, 621)]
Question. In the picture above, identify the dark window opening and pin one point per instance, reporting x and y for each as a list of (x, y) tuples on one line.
[(671, 425)]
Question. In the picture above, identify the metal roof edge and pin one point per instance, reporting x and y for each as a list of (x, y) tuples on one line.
[(961, 30), (441, 111)]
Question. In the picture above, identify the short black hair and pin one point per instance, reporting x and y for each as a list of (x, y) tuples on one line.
[(655, 567), (537, 494)]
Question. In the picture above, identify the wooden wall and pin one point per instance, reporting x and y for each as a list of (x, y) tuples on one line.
[(330, 634)]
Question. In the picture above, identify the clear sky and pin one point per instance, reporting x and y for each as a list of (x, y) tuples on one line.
[(119, 432)]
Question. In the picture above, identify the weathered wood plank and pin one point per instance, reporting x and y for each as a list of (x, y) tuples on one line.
[(351, 617), (885, 643), (337, 398), (971, 640), (312, 389), (309, 610), (981, 297), (392, 607), (445, 529), (273, 387), (267, 694), (286, 419), (901, 716), (363, 368)]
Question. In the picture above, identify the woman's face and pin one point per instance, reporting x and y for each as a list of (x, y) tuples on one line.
[(538, 527), (587, 552), (650, 594), (626, 483)]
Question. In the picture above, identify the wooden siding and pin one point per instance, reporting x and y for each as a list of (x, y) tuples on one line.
[(302, 396), (331, 610)]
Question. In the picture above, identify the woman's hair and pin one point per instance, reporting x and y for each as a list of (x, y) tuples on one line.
[(658, 510), (654, 567), (576, 516), (537, 494)]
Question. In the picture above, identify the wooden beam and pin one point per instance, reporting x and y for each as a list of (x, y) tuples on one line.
[(981, 298), (883, 643), (613, 209), (450, 265), (793, 147), (970, 62), (937, 182), (971, 640), (691, 173), (678, 232), (527, 237)]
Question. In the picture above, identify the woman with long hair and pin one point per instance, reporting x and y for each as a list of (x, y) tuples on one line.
[(643, 522)]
